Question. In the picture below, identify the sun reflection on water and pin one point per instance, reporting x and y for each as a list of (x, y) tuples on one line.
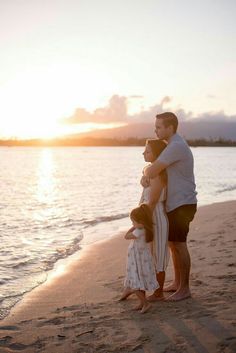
[(45, 177), (46, 186)]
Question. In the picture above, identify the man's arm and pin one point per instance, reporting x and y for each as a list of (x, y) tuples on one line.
[(154, 169)]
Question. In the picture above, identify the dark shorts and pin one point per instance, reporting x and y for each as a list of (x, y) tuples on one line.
[(179, 220)]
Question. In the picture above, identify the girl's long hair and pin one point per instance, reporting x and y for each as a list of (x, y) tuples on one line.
[(157, 146), (143, 215)]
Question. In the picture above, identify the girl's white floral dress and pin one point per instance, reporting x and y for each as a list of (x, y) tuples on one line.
[(140, 269)]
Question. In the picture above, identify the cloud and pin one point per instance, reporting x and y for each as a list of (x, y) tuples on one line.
[(115, 111), (149, 114), (165, 100), (183, 115), (211, 96), (136, 97), (80, 116), (215, 117)]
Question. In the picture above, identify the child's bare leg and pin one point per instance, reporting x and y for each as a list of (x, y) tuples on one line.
[(144, 304), (127, 292), (160, 279), (158, 294)]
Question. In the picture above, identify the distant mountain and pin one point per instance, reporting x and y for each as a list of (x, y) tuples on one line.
[(132, 130), (191, 129), (195, 128)]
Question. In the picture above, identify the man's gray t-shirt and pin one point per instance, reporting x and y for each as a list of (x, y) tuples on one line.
[(181, 188)]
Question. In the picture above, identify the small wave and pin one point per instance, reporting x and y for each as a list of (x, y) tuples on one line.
[(22, 264), (228, 188), (12, 299), (88, 223), (105, 219), (69, 223), (62, 253)]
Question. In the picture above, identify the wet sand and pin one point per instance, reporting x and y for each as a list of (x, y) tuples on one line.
[(77, 309)]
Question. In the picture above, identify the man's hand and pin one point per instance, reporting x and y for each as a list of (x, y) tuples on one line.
[(152, 170), (145, 181)]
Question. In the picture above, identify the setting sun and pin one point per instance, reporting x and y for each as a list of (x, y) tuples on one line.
[(34, 103)]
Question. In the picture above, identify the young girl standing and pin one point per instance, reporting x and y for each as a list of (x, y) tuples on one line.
[(140, 272)]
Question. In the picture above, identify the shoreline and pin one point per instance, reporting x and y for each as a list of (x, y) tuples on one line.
[(93, 237), (62, 263), (90, 284)]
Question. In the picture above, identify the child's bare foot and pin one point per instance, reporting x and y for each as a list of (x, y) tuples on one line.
[(126, 294), (138, 307), (156, 296), (145, 308)]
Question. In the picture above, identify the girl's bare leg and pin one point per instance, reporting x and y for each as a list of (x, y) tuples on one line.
[(158, 294), (127, 292), (143, 301)]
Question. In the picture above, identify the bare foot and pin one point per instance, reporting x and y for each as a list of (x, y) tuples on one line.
[(156, 296), (171, 288), (138, 307), (145, 308), (126, 294), (177, 296)]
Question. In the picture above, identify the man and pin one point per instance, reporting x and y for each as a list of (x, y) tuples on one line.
[(181, 203)]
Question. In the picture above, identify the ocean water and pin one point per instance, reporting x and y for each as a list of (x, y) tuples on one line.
[(55, 199)]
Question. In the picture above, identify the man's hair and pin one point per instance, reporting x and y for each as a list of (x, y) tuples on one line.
[(169, 119)]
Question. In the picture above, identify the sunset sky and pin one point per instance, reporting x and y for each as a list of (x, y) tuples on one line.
[(71, 65)]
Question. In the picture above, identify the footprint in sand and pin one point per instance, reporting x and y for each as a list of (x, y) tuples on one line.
[(68, 308), (54, 321), (227, 276), (9, 328), (5, 340), (198, 282), (229, 343)]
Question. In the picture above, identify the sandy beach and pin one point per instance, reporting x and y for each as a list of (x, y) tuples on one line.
[(77, 308)]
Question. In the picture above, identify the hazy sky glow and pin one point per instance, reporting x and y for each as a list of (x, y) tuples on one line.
[(61, 55)]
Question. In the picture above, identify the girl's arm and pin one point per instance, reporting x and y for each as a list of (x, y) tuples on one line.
[(131, 229), (129, 235), (156, 186), (145, 182)]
